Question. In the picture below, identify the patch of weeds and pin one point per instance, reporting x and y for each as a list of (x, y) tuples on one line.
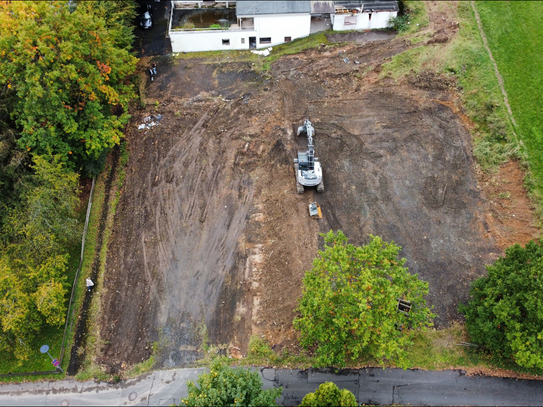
[(490, 155), (123, 160), (296, 46), (201, 330), (439, 349), (412, 16), (408, 62), (93, 341), (399, 23), (213, 57), (259, 348), (260, 353), (143, 367), (141, 82), (92, 373), (503, 195)]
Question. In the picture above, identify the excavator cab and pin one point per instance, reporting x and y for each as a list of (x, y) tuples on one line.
[(303, 163)]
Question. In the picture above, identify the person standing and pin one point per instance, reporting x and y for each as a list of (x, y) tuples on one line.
[(154, 68), (89, 284)]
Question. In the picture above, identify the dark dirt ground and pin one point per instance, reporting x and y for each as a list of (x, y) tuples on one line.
[(210, 231)]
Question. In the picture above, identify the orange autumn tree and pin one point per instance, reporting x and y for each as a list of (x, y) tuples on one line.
[(66, 80)]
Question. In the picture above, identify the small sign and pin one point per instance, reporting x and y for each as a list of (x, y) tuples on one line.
[(55, 362)]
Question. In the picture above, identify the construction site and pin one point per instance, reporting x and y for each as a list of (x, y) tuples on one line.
[(212, 235)]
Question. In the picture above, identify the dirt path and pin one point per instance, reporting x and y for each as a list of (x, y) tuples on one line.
[(211, 240)]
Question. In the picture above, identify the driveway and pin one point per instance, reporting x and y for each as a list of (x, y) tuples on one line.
[(154, 41)]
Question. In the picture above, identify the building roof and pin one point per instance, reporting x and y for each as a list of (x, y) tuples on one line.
[(322, 7), (252, 7), (380, 5), (369, 5)]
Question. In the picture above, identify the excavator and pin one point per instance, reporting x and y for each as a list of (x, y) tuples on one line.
[(307, 167)]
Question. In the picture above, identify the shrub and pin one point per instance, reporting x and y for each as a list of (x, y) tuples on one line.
[(504, 313), (328, 394), (399, 23), (225, 386)]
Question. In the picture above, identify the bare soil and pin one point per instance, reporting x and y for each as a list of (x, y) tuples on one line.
[(211, 240)]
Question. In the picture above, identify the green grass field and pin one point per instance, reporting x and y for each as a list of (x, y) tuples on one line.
[(514, 31)]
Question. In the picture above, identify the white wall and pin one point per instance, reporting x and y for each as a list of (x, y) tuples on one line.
[(200, 2), (277, 27), (380, 20), (363, 22), (194, 41)]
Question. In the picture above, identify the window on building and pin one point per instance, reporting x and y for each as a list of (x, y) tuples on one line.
[(288, 39), (351, 20), (225, 42), (265, 40), (243, 40)]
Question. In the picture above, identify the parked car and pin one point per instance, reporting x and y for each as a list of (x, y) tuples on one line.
[(146, 21)]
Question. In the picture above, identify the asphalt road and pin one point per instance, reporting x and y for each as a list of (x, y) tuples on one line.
[(154, 41), (370, 386)]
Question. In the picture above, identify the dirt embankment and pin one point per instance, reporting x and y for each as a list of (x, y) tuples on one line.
[(210, 231)]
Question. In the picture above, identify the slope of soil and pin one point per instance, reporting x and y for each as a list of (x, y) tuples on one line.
[(211, 240)]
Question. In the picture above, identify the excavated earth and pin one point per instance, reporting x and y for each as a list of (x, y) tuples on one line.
[(211, 240)]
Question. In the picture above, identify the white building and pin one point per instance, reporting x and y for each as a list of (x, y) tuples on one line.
[(261, 24), (363, 15)]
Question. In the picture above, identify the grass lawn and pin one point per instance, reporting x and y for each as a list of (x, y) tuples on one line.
[(514, 31)]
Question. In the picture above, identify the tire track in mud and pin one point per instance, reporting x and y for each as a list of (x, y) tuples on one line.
[(76, 356), (178, 254)]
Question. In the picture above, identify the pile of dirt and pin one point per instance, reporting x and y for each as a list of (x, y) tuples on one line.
[(211, 240), (430, 80)]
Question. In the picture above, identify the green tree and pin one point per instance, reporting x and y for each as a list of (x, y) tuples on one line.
[(118, 17), (225, 386), (505, 310), (350, 299), (328, 394), (67, 77), (46, 222), (33, 262), (14, 170)]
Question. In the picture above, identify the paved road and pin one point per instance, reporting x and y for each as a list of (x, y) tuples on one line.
[(370, 386), (155, 41)]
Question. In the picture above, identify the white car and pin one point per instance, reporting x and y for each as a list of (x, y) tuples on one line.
[(146, 21)]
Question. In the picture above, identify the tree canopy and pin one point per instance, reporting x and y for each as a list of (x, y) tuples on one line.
[(505, 310), (67, 78), (350, 299), (328, 394), (225, 386), (65, 85), (33, 264)]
